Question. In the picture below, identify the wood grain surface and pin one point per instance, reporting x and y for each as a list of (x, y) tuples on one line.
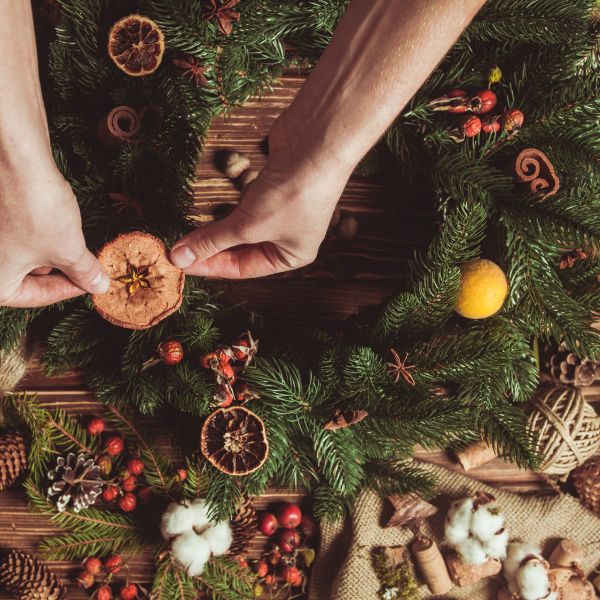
[(346, 277)]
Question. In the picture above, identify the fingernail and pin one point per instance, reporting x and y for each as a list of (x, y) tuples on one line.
[(100, 283), (182, 256)]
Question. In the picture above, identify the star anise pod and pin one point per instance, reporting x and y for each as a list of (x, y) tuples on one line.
[(192, 69), (399, 368), (127, 206), (224, 14), (135, 279)]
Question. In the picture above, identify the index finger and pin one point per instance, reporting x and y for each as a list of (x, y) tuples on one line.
[(41, 290)]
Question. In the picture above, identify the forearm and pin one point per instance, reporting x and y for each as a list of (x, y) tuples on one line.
[(381, 53), (23, 127)]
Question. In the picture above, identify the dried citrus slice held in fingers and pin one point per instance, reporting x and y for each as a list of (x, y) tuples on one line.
[(136, 45), (145, 286)]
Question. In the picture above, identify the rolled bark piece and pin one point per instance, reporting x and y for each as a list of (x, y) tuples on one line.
[(577, 589), (431, 563), (532, 166), (567, 554), (120, 126), (464, 574), (475, 455)]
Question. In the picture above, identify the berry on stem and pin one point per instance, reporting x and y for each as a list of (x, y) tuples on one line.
[(85, 579), (128, 502), (114, 445), (483, 101), (113, 563), (93, 565), (289, 516), (491, 124), (513, 119), (262, 568), (128, 591), (104, 593), (170, 352), (96, 426), (290, 574), (182, 475), (110, 493), (288, 540), (135, 466), (470, 126), (129, 483)]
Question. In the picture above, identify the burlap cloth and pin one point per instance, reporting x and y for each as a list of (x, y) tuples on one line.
[(343, 568)]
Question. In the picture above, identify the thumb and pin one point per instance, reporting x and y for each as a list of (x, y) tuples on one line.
[(206, 241), (86, 273)]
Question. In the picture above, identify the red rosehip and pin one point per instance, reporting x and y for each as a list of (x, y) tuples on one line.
[(262, 568), (268, 524), (289, 516), (182, 475), (96, 426), (491, 125), (145, 495), (226, 371), (470, 126), (242, 562), (289, 573), (274, 557), (223, 397), (86, 579), (244, 393), (297, 581), (93, 565), (288, 540), (170, 352), (113, 563), (308, 526), (209, 361), (110, 493), (270, 579), (483, 101), (462, 105), (128, 591), (239, 349), (129, 483), (128, 502), (104, 593), (513, 119), (224, 355), (114, 445), (135, 466), (106, 464)]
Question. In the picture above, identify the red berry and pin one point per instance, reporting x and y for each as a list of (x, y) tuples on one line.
[(513, 119), (470, 126), (145, 495), (96, 426), (209, 361), (106, 464), (262, 568), (128, 502), (113, 563), (223, 397), (128, 592), (491, 124), (270, 579), (274, 557), (110, 493), (93, 565), (239, 349), (104, 593), (226, 371), (483, 101), (182, 475), (308, 526), (289, 573), (268, 524), (288, 540), (114, 445), (85, 579), (135, 466), (459, 107), (170, 352), (297, 581), (289, 516), (224, 355), (129, 483)]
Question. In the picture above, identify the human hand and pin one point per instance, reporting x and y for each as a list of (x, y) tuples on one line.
[(280, 222), (40, 230)]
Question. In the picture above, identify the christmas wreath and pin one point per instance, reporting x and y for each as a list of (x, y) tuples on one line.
[(516, 177)]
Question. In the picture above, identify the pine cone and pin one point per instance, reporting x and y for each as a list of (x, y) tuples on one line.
[(243, 526), (586, 480), (13, 458), (27, 578), (74, 481), (569, 368)]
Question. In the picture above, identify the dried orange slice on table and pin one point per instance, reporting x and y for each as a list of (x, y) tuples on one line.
[(136, 45)]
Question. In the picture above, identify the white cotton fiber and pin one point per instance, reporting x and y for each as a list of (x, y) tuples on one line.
[(471, 550), (485, 524), (200, 512), (458, 521), (515, 553), (191, 551), (177, 519), (532, 580), (496, 546), (219, 538)]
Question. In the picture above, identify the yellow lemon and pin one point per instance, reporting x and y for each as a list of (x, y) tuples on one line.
[(483, 289)]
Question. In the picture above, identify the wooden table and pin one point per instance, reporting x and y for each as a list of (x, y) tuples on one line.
[(346, 277)]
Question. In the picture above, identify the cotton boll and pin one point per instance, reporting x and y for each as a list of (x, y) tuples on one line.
[(485, 524), (533, 581), (191, 551), (496, 546), (219, 538), (177, 518), (200, 511), (472, 551), (515, 553), (458, 521)]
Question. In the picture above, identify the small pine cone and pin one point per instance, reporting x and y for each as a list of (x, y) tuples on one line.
[(586, 480), (27, 578), (243, 526), (570, 369), (13, 458)]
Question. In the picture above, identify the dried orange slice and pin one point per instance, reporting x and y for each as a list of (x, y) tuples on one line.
[(234, 440), (136, 44)]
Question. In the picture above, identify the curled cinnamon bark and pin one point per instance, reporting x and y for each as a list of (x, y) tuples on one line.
[(532, 166), (120, 126)]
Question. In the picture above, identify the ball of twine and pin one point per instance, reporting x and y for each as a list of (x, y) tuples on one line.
[(13, 366), (565, 427)]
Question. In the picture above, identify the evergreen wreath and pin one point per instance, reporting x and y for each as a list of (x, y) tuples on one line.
[(470, 377)]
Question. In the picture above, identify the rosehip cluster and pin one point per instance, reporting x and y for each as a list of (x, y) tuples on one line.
[(481, 102), (290, 530), (96, 571), (223, 361)]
